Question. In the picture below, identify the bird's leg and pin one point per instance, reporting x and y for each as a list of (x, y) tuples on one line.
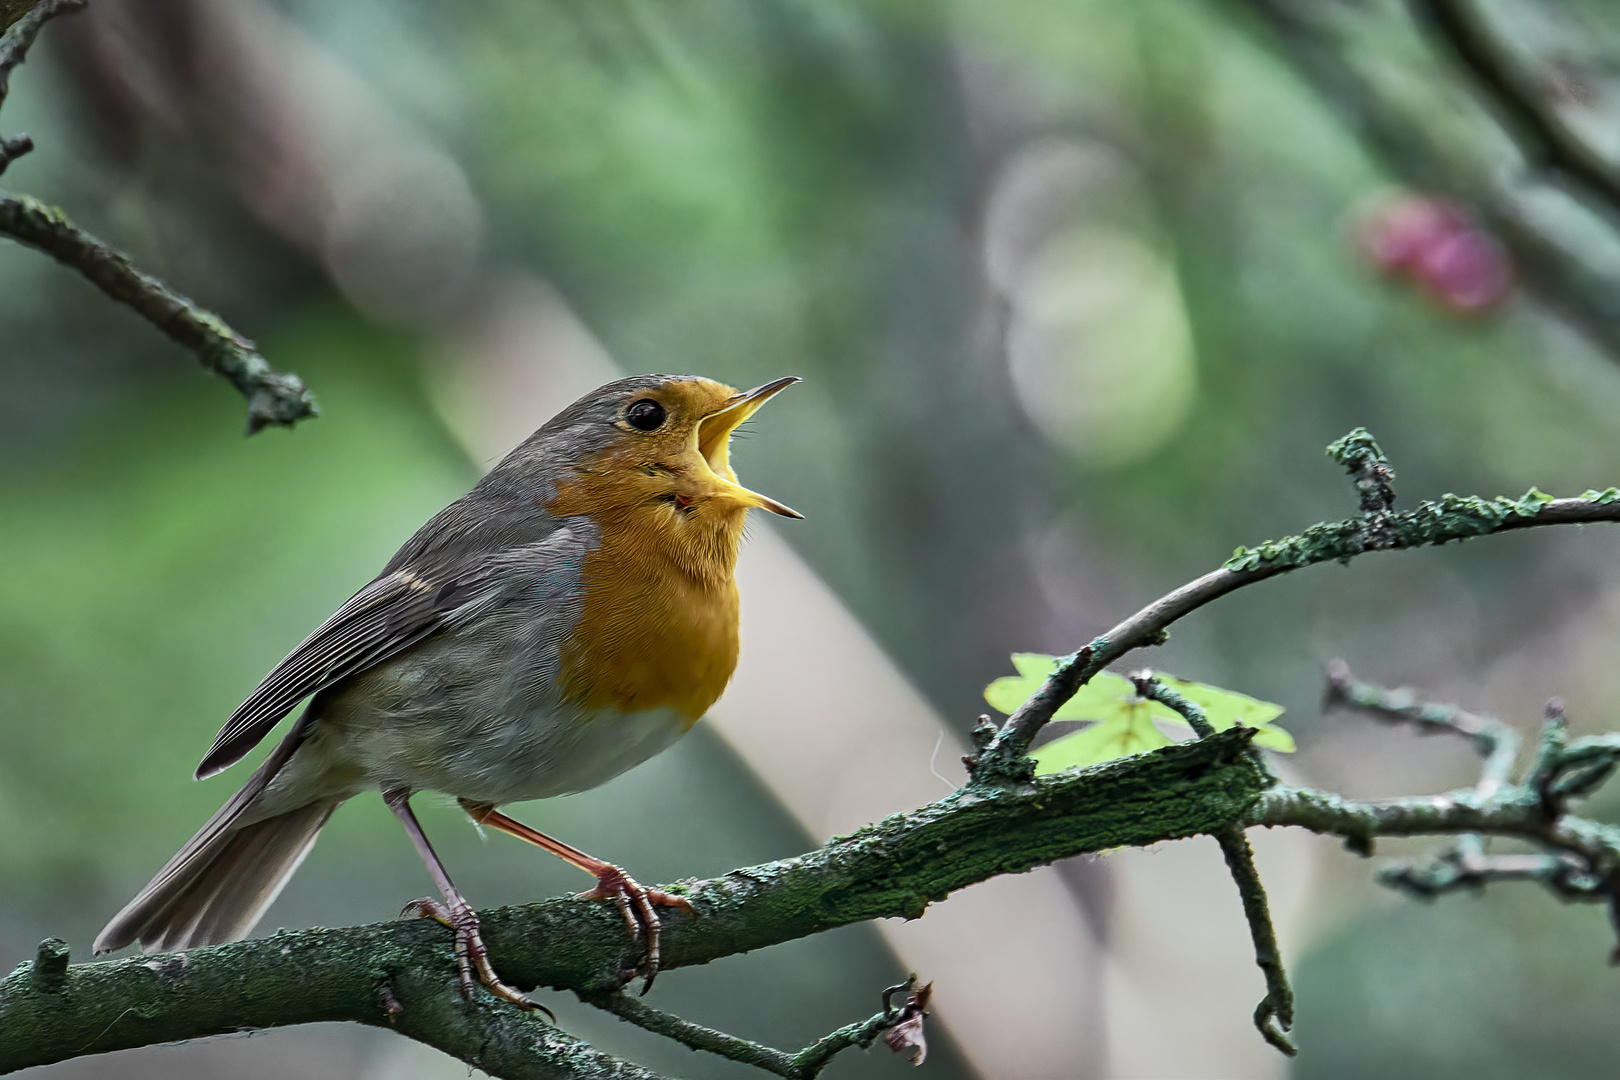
[(471, 954), (637, 903)]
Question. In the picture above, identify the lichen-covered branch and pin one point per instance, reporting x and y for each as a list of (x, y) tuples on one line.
[(1580, 858), (1378, 528), (274, 397), (403, 975), (1006, 820)]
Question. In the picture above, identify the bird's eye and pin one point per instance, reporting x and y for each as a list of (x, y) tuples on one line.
[(645, 415)]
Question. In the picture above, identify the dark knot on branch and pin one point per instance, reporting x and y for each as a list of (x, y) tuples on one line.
[(49, 972), (1359, 454)]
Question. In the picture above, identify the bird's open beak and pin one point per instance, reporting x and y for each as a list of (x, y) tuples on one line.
[(714, 441)]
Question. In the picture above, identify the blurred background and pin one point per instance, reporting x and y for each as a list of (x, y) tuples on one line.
[(1079, 291)]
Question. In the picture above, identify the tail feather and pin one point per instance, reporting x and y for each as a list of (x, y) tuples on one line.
[(221, 889), (218, 885)]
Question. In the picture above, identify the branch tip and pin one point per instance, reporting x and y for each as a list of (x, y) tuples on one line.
[(274, 397), (49, 972), (1275, 1013)]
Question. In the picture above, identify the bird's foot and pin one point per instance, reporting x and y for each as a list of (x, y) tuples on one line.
[(639, 905), (472, 955)]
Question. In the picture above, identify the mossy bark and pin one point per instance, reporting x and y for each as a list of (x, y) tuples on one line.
[(402, 974)]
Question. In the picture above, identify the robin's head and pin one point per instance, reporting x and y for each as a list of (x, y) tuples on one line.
[(658, 448)]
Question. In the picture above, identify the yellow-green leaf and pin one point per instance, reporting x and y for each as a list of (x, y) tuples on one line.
[(1130, 732), (1124, 723)]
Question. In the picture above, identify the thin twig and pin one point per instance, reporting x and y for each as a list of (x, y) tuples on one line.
[(1275, 1013), (1496, 742), (804, 1065), (20, 37), (274, 397), (1003, 759), (1151, 688)]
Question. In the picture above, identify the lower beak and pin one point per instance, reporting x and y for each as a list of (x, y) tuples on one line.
[(714, 441)]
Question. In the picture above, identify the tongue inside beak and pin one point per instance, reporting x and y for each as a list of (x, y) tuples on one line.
[(714, 443)]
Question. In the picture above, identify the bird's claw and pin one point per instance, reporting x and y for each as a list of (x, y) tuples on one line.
[(639, 906), (472, 955)]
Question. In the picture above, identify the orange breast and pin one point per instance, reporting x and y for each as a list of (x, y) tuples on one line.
[(659, 625)]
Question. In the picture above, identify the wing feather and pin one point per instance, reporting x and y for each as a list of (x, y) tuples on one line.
[(394, 612)]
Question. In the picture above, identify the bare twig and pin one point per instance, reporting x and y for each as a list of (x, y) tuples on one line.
[(1497, 742), (1275, 1013), (1152, 689), (1580, 859), (804, 1065), (274, 397), (19, 38)]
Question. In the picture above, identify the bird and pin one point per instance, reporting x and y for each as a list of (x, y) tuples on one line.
[(572, 615)]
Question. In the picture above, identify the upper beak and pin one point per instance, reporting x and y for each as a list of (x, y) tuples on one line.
[(714, 440)]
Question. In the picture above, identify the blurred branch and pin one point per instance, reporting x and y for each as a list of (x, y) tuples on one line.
[(1002, 758), (274, 397), (804, 1065), (402, 975), (1416, 141), (13, 10), (1541, 133), (14, 48), (1497, 743)]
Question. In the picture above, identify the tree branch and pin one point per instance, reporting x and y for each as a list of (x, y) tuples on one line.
[(804, 1065), (1420, 143), (1543, 137), (273, 397), (14, 48), (893, 868), (1002, 760), (1275, 1013), (1581, 859), (1006, 820)]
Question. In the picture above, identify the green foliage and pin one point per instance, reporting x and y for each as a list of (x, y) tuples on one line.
[(1124, 723)]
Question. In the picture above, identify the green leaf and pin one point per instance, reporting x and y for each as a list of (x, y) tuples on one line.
[(1124, 723), (1223, 708), (1131, 731), (1099, 699)]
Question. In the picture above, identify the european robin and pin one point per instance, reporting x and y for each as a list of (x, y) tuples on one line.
[(569, 617)]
